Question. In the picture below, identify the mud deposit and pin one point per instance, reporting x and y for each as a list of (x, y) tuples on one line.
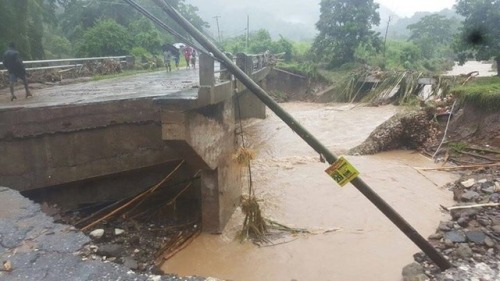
[(351, 239)]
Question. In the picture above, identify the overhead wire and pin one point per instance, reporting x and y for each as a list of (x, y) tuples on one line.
[(167, 28)]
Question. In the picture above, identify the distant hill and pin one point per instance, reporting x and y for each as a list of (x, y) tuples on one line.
[(398, 26), (296, 22)]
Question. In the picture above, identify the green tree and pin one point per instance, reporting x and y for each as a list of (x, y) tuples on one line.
[(106, 38), (343, 25), (80, 15), (190, 12), (145, 35), (56, 46), (22, 22), (432, 33), (480, 35), (283, 46), (260, 41)]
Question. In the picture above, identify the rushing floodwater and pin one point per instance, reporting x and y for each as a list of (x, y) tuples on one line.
[(484, 69), (296, 191)]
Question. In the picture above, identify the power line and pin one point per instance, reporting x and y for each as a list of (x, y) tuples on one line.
[(167, 28), (218, 29)]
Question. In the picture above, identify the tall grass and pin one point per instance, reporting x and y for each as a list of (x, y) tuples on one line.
[(483, 92)]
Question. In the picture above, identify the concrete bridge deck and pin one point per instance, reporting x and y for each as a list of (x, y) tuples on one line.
[(178, 84), (130, 127)]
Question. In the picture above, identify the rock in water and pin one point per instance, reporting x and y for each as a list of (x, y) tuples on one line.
[(455, 236), (98, 233), (468, 183), (476, 236), (110, 250), (130, 263), (414, 272), (464, 251)]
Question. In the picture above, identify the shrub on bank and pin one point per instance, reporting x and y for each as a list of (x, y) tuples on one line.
[(483, 92)]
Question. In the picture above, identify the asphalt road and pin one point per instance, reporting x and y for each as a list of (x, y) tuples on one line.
[(34, 248)]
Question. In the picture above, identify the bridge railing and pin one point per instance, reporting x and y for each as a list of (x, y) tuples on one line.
[(69, 63), (215, 89), (249, 63)]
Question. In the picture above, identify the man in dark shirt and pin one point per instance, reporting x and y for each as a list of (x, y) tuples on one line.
[(14, 64)]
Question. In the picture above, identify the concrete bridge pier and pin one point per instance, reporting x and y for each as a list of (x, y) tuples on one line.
[(205, 139), (204, 135)]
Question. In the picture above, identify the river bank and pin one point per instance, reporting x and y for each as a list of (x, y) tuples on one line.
[(470, 237)]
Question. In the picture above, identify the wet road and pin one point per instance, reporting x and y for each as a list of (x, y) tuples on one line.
[(295, 191), (155, 84)]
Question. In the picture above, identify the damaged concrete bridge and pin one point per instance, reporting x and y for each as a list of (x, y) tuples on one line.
[(121, 135)]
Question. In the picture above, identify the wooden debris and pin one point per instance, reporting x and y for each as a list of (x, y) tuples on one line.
[(488, 150), (464, 167), (478, 156), (175, 245), (244, 156), (470, 206), (254, 225), (139, 199), (282, 227)]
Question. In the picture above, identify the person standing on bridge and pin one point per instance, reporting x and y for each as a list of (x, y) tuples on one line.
[(167, 58), (14, 64), (177, 55), (187, 55), (193, 59)]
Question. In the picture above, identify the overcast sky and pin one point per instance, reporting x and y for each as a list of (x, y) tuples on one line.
[(293, 19), (407, 8)]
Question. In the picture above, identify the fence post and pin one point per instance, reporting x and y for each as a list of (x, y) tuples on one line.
[(207, 78), (225, 75)]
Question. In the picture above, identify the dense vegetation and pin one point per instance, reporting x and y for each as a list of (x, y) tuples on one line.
[(68, 28), (345, 25), (346, 39), (480, 36)]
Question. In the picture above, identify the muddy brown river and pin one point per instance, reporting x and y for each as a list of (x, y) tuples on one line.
[(289, 179)]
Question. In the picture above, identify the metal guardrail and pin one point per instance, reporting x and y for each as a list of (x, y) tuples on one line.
[(64, 63), (248, 62)]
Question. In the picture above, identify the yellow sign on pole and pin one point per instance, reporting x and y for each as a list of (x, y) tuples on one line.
[(342, 171)]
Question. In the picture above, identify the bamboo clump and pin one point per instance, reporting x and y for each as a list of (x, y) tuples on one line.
[(254, 225), (244, 155)]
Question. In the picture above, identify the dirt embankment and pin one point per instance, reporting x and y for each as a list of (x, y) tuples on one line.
[(473, 124), (409, 130), (469, 128)]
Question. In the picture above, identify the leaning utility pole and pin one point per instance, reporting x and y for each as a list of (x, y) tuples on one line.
[(218, 29), (248, 32), (369, 193), (385, 37)]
